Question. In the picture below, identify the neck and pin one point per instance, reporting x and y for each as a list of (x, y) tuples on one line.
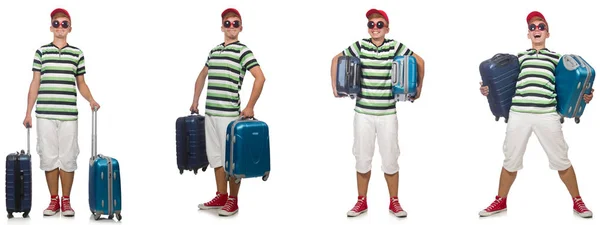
[(230, 40), (377, 41), (60, 42), (539, 46)]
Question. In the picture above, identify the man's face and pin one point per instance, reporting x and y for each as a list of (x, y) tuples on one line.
[(377, 28), (61, 26), (231, 26), (538, 31)]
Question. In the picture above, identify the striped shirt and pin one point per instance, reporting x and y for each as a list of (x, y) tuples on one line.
[(227, 66), (375, 97), (535, 91), (57, 95)]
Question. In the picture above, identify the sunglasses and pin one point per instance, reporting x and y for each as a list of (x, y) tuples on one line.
[(227, 24), (371, 24), (541, 27), (64, 24)]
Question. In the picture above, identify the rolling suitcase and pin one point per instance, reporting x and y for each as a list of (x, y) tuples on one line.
[(574, 77), (191, 143), (349, 75), (104, 181), (500, 74), (18, 181), (247, 152), (404, 78)]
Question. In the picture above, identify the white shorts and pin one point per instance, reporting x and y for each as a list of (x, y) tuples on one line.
[(216, 134), (384, 129), (57, 144), (547, 128)]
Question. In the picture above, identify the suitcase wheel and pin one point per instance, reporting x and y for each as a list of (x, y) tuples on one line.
[(97, 216), (577, 120), (497, 118), (505, 120), (204, 168), (119, 217), (25, 214), (237, 180), (10, 215), (265, 177), (180, 171), (562, 119), (195, 171)]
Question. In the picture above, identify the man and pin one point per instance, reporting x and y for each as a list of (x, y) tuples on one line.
[(375, 111), (534, 110), (58, 71), (226, 67)]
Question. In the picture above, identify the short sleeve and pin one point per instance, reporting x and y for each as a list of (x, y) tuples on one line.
[(402, 49), (37, 61), (208, 58), (247, 59), (80, 65), (352, 50)]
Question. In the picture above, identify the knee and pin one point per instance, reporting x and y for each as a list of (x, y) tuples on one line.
[(363, 166), (390, 168)]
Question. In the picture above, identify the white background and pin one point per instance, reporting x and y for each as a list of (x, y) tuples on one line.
[(142, 61)]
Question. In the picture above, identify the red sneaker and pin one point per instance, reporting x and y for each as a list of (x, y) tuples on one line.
[(499, 205), (580, 208), (230, 208), (217, 202), (359, 208), (53, 208), (66, 207), (395, 207)]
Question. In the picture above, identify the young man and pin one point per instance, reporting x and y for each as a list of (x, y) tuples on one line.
[(375, 110), (534, 110), (58, 71), (225, 68)]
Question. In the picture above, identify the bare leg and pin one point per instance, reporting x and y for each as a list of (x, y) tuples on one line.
[(569, 178), (66, 180), (392, 183), (362, 181), (220, 179), (506, 181), (233, 187), (52, 180)]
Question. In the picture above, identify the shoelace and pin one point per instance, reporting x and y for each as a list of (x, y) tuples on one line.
[(52, 205), (581, 206), (493, 205), (358, 205), (396, 206), (66, 205), (229, 204), (214, 200)]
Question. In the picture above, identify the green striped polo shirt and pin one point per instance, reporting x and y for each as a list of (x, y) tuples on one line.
[(227, 66), (57, 95), (535, 91), (375, 97)]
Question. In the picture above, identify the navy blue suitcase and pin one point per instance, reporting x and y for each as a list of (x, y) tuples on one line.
[(18, 181), (348, 77), (500, 74), (248, 151), (191, 143)]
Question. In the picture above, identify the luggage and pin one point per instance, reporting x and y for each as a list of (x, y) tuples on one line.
[(247, 152), (349, 75), (191, 143), (18, 181), (104, 181), (574, 77), (500, 74), (404, 78)]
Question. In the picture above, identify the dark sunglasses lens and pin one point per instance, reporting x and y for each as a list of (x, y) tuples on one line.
[(226, 24), (371, 24), (379, 24), (55, 24), (542, 26), (65, 24), (532, 27), (236, 24)]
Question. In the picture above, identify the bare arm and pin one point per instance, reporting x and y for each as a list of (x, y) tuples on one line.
[(420, 69), (33, 92), (334, 62), (84, 89), (259, 81), (200, 84)]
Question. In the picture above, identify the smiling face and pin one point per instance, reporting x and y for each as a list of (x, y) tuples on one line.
[(538, 31), (377, 26), (231, 25), (60, 25)]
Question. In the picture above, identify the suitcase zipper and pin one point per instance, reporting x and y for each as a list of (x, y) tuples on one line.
[(587, 80), (110, 186)]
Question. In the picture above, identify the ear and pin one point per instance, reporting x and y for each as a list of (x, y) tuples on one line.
[(222, 28), (51, 28), (387, 30), (547, 36), (241, 28), (528, 36)]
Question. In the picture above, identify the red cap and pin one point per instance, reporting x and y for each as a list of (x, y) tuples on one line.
[(60, 10), (230, 10), (371, 11), (535, 14)]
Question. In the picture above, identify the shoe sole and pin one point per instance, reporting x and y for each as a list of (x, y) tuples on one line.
[(491, 213), (357, 214), (401, 215), (209, 207), (50, 214), (583, 216), (228, 213)]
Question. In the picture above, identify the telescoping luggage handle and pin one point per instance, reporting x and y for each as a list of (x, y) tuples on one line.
[(28, 139), (94, 132)]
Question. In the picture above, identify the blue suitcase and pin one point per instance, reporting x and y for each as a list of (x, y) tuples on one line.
[(404, 78), (18, 182), (500, 74), (104, 182), (247, 152), (574, 77), (191, 143), (348, 77)]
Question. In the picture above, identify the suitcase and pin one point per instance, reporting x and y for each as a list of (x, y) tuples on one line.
[(348, 76), (104, 181), (191, 143), (404, 78), (574, 77), (500, 74), (18, 181), (247, 152)]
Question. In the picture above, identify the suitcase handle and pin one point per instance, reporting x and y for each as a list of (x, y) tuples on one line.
[(28, 139), (501, 59), (94, 133), (247, 118)]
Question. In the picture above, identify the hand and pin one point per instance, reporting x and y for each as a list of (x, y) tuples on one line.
[(417, 95), (94, 104), (27, 121), (485, 90), (587, 98), (194, 108), (247, 112), (335, 94)]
